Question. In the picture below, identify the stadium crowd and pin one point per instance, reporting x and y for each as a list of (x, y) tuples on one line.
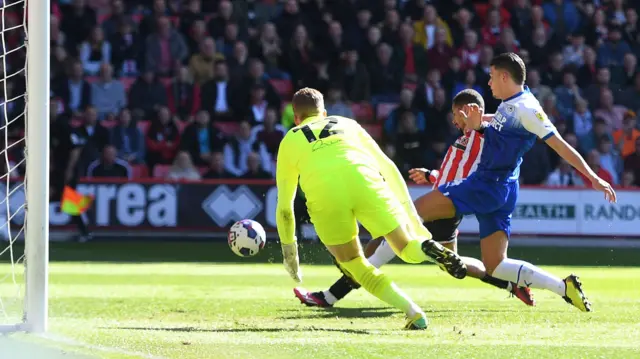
[(191, 89)]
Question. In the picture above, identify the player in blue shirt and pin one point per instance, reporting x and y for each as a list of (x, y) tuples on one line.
[(492, 191)]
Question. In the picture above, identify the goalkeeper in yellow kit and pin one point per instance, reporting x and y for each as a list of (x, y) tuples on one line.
[(345, 176)]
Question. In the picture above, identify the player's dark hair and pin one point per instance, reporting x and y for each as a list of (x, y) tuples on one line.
[(307, 102), (512, 64), (468, 96)]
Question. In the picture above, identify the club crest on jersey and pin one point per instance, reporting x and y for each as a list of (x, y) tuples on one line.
[(541, 116), (510, 109), (461, 143)]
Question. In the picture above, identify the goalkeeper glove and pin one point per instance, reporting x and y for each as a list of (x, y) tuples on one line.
[(291, 261)]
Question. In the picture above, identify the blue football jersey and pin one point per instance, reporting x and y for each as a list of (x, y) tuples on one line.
[(513, 130)]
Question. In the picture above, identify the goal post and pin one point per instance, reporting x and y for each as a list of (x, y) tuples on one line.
[(37, 158), (24, 164)]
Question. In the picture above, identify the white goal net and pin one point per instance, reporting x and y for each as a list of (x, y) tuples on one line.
[(24, 92)]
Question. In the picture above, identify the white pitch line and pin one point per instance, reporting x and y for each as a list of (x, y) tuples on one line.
[(105, 349)]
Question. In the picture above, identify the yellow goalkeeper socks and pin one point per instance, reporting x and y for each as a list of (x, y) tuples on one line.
[(413, 253), (378, 284)]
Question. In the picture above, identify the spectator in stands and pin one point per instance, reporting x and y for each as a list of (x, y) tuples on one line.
[(226, 43), (269, 133), (453, 74), (183, 96), (593, 93), (392, 122), (567, 95), (462, 24), (109, 165), (200, 139), (612, 51), (299, 54), (630, 29), (195, 34), (149, 23), (588, 71), (589, 141), (183, 168), (162, 139), (73, 90), (147, 94), (425, 93), (573, 53), (507, 42), (238, 148), (165, 49), (593, 160), (202, 64), (426, 29), (536, 165), (410, 144), (563, 16), (128, 139), (92, 136), (269, 46), (126, 48), (256, 75), (539, 90), (354, 78), (609, 111), (553, 74), (59, 63), (493, 28), (335, 105), (628, 180), (564, 176), (357, 31), (468, 82), (538, 46), (625, 138), (220, 96), (469, 52), (224, 15), (254, 168), (610, 158), (632, 163), (439, 54), (239, 61), (217, 169), (582, 118), (411, 56), (387, 83), (629, 97), (335, 43), (116, 17), (57, 37), (107, 95), (94, 52), (317, 76), (368, 50), (624, 75), (77, 21)]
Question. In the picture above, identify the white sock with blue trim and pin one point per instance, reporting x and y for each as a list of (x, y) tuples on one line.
[(525, 274)]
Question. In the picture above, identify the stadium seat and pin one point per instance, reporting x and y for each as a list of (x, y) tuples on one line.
[(363, 112), (228, 128), (139, 171), (375, 130), (181, 126), (284, 88), (383, 110), (161, 171)]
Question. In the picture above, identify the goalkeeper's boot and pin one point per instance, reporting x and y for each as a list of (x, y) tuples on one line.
[(417, 322), (524, 294), (445, 258), (574, 294), (311, 299)]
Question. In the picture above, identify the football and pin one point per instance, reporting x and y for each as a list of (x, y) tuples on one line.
[(246, 238)]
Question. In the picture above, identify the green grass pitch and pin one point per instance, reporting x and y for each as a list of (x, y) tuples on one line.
[(195, 301)]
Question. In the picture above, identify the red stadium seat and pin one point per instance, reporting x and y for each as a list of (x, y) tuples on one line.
[(161, 171), (363, 112), (383, 110), (228, 128), (139, 171), (375, 130), (284, 88), (144, 127)]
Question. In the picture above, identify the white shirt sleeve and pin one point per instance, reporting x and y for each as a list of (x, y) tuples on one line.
[(536, 121)]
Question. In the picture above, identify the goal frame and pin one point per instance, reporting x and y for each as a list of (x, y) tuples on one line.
[(36, 234)]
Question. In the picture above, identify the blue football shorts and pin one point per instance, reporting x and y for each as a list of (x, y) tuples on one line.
[(492, 202)]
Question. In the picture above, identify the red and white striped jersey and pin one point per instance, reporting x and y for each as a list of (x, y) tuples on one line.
[(462, 158)]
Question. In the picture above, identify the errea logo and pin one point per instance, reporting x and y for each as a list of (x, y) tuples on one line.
[(226, 206)]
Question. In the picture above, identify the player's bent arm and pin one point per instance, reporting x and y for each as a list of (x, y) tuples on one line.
[(569, 154), (287, 184)]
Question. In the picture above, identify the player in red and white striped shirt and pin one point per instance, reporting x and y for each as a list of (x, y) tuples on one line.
[(460, 161)]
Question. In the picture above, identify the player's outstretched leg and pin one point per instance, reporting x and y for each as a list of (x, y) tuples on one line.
[(524, 274), (351, 259), (382, 254)]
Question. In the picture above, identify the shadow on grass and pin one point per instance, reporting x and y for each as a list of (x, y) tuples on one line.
[(243, 330), (325, 313)]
